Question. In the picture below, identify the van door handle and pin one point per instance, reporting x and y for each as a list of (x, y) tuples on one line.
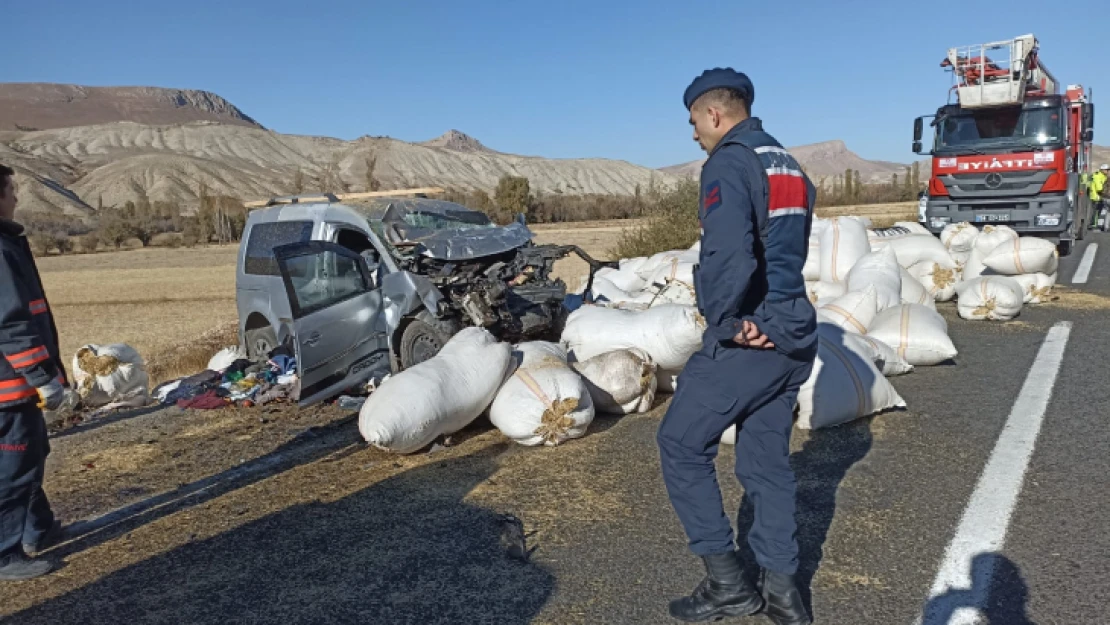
[(312, 339)]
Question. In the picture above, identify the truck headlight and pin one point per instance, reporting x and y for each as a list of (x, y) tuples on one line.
[(1051, 219), (939, 222)]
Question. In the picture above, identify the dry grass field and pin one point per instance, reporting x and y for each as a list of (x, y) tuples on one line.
[(151, 299), (159, 300)]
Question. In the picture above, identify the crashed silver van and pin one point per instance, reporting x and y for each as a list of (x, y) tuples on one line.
[(358, 289)]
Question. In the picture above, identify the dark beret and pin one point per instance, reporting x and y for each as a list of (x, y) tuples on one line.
[(719, 78)]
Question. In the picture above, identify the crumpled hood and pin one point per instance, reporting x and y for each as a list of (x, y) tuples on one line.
[(455, 245)]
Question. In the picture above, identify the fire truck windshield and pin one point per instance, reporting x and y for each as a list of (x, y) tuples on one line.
[(989, 130)]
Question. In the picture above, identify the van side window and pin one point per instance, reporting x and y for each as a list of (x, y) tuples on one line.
[(265, 237), (323, 279)]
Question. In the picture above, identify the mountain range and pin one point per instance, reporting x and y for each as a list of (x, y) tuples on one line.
[(77, 148)]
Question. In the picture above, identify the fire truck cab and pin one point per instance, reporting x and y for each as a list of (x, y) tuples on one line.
[(1011, 150)]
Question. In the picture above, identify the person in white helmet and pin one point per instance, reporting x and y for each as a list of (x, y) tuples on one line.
[(1098, 191)]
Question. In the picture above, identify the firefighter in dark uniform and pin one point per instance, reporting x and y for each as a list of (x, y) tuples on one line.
[(31, 378), (759, 348)]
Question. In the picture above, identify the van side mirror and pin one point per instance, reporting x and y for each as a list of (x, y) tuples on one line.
[(1089, 116), (1088, 135), (918, 126), (917, 147)]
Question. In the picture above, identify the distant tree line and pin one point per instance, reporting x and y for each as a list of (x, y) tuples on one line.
[(222, 218), (847, 189), (219, 219)]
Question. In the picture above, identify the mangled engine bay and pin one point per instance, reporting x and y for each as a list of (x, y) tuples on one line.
[(490, 276)]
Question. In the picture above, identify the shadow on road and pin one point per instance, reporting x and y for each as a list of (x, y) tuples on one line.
[(406, 550), (108, 419), (819, 468), (313, 444), (998, 592)]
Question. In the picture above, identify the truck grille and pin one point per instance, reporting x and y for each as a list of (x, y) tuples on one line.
[(995, 184)]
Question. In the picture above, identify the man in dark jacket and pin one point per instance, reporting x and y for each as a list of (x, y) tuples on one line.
[(31, 378), (759, 347)]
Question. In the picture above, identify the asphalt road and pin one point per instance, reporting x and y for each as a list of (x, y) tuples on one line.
[(882, 506)]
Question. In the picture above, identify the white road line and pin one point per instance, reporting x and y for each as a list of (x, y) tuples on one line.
[(1085, 264), (987, 516)]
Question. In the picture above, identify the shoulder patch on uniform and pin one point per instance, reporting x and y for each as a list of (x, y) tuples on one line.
[(711, 198)]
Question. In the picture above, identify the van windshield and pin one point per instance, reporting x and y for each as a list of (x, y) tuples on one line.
[(447, 220)]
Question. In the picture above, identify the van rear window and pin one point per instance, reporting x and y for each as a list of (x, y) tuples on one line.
[(265, 237)]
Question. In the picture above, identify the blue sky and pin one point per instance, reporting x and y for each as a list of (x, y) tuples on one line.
[(559, 79)]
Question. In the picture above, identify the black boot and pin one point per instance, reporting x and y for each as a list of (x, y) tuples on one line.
[(724, 592), (52, 537), (783, 601), (19, 567)]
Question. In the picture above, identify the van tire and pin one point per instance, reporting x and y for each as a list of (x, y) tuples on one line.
[(260, 342), (419, 343)]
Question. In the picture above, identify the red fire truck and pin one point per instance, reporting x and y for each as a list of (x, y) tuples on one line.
[(1012, 149)]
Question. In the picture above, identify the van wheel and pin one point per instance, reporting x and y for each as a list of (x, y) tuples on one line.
[(419, 343), (1064, 248), (260, 342)]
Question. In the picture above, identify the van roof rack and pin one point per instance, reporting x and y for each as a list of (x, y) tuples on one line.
[(333, 198)]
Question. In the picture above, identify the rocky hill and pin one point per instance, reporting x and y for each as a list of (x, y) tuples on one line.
[(821, 160), (459, 142), (42, 106), (83, 156), (73, 170)]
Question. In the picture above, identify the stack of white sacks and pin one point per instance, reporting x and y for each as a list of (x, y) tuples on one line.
[(875, 291)]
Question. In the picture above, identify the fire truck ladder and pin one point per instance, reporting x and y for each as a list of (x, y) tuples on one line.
[(1013, 72)]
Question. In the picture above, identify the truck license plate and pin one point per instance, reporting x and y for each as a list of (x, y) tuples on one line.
[(981, 217)]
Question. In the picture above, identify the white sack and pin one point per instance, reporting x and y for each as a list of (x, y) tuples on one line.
[(675, 293), (959, 238), (938, 280), (826, 291), (885, 358), (670, 334), (844, 385), (439, 396), (880, 270), (852, 311), (223, 359), (626, 281), (961, 258), (620, 382), (606, 292), (632, 265), (913, 227), (654, 263), (920, 248), (917, 334), (881, 237), (674, 271), (811, 271), (842, 244), (993, 236), (863, 221), (110, 374), (544, 402), (974, 266), (913, 292), (998, 298), (1023, 255), (1036, 287)]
